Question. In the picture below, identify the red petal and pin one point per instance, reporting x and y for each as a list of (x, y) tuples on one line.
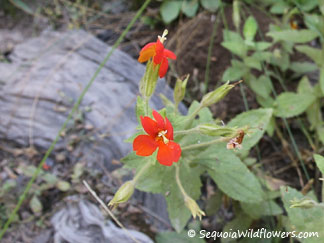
[(164, 67), (169, 128), (146, 54), (159, 119), (149, 45), (150, 126), (159, 50), (169, 54), (144, 145), (168, 153)]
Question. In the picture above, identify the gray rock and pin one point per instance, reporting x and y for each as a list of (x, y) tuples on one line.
[(83, 222)]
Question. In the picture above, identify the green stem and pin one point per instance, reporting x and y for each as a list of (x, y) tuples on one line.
[(200, 145), (74, 109), (177, 176), (146, 105)]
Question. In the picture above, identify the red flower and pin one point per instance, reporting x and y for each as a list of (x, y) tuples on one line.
[(160, 135), (160, 55)]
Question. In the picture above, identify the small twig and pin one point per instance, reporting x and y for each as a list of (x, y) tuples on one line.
[(94, 194)]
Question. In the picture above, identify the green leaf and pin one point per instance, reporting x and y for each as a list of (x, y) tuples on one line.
[(261, 45), (289, 104), (320, 133), (319, 162), (280, 7), (230, 174), (294, 36), (231, 36), (237, 48), (190, 7), (265, 102), (261, 86), (313, 53), (167, 237), (35, 204), (257, 120), (265, 208), (235, 72), (139, 108), (252, 62), (304, 86), (210, 5), (281, 59), (63, 186), (262, 56), (321, 80), (20, 4), (301, 219), (250, 28), (302, 67), (170, 10), (50, 178), (307, 5)]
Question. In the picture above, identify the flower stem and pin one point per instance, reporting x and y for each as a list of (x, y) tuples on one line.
[(177, 176), (200, 145)]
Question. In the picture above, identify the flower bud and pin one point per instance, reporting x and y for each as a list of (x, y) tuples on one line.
[(216, 130), (216, 95), (123, 194), (236, 14), (148, 81), (303, 203), (193, 207), (180, 90)]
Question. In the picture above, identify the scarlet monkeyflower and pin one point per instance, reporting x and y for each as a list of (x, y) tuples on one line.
[(159, 54), (160, 135)]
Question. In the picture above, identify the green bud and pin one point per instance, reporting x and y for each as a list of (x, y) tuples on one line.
[(236, 14), (148, 82), (216, 95), (216, 130), (180, 90), (193, 207), (123, 194)]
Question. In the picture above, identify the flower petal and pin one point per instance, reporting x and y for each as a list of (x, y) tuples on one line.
[(144, 145), (169, 54), (147, 46), (164, 67), (146, 53), (168, 153), (159, 50), (150, 126), (159, 119), (169, 128)]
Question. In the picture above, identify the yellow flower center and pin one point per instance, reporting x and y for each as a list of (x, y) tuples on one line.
[(162, 134)]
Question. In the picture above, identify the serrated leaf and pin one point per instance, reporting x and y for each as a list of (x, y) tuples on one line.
[(258, 120), (231, 36), (280, 7), (304, 86), (230, 174), (170, 10), (35, 204), (252, 62), (302, 67), (319, 162), (250, 28), (210, 5), (265, 208), (294, 36), (190, 7), (261, 45), (301, 219), (235, 72), (289, 104), (313, 53)]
